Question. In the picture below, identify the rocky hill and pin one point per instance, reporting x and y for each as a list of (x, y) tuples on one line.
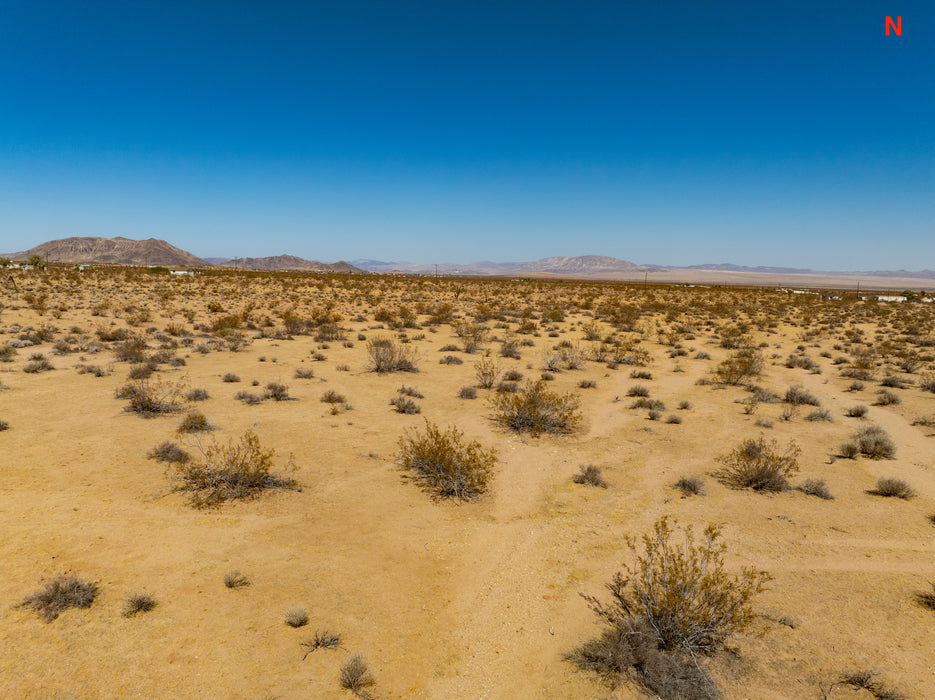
[(116, 251), (289, 262)]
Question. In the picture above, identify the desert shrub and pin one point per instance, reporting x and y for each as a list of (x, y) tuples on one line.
[(137, 603), (451, 360), (303, 373), (819, 414), (849, 450), (386, 355), (404, 405), (654, 414), (690, 485), (512, 375), (4, 425), (682, 591), (323, 639), (143, 371), (638, 390), (816, 487), (702, 356), (587, 384), (641, 374), (235, 579), (355, 675), (759, 465), (7, 353), (927, 599), (590, 476), (486, 371), (59, 594), (297, 617), (37, 363), (537, 410), (197, 395), (886, 398), (225, 472), (248, 398), (797, 396), (152, 397), (674, 420), (928, 383), (858, 411), (467, 392), (445, 464), (507, 387), (230, 378), (866, 680), (741, 365), (332, 397), (276, 392), (96, 370), (193, 422), (410, 391), (169, 452), (651, 404), (684, 405), (855, 386), (874, 441), (893, 488)]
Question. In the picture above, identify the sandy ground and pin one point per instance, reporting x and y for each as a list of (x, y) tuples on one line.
[(445, 600)]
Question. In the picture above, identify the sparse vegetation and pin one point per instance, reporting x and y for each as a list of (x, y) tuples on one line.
[(816, 487), (138, 603), (59, 594), (590, 476), (759, 465), (386, 355), (356, 676), (297, 617), (235, 579), (690, 486), (445, 464), (536, 409), (893, 488)]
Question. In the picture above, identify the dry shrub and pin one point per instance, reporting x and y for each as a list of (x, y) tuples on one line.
[(486, 371), (759, 465), (404, 405), (874, 441), (816, 487), (690, 485), (741, 365), (590, 476), (444, 464), (235, 579), (152, 397), (678, 600), (169, 452), (298, 617), (323, 639), (59, 594), (893, 488), (356, 676), (536, 409), (866, 680), (386, 355), (194, 422), (798, 396), (227, 472), (137, 603), (927, 598)]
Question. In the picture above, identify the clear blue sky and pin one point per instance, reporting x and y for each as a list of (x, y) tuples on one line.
[(775, 133)]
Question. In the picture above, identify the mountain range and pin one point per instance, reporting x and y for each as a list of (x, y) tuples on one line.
[(153, 251)]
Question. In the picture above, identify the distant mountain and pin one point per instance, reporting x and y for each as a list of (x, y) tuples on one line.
[(728, 267), (288, 262), (578, 266), (217, 261), (117, 251)]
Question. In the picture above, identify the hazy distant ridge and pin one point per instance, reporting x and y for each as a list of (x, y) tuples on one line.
[(288, 262), (115, 251)]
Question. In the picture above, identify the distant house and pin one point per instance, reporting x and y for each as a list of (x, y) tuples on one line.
[(892, 298), (182, 272), (83, 267)]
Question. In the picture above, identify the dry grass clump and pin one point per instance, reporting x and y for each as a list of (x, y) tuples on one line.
[(276, 391), (197, 395), (59, 594), (590, 476), (229, 471), (886, 398), (303, 373), (386, 355), (858, 411), (690, 486), (866, 680), (404, 405), (486, 371), (759, 465), (816, 487), (798, 396), (445, 464), (4, 426), (678, 600), (892, 488), (356, 676), (297, 617), (536, 409), (927, 598), (194, 422), (230, 378), (137, 603), (169, 452), (467, 392), (742, 365), (818, 415), (235, 579), (37, 363)]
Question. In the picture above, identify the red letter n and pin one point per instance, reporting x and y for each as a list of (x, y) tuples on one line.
[(897, 26)]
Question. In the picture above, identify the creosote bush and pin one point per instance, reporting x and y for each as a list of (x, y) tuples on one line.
[(536, 409), (745, 363), (194, 422), (446, 465), (759, 465), (230, 471), (152, 397), (59, 594), (386, 355), (678, 599)]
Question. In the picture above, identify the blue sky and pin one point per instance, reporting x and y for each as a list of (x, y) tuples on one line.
[(787, 133)]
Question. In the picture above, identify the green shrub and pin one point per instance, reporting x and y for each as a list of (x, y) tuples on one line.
[(536, 409), (444, 464)]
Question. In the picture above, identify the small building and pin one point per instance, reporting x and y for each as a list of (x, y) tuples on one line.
[(190, 273), (892, 298)]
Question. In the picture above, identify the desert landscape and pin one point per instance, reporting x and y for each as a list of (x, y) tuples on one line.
[(447, 473)]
